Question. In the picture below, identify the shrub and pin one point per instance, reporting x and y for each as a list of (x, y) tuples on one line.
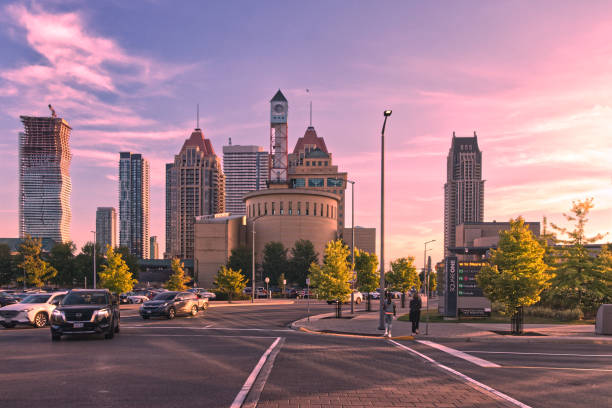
[(563, 315)]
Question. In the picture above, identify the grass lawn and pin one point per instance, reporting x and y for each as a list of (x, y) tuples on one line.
[(434, 317)]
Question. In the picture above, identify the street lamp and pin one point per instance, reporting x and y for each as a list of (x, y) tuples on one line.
[(426, 284), (253, 259), (381, 321), (352, 243), (94, 258)]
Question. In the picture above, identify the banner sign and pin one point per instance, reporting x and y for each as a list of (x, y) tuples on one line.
[(450, 296), (466, 274)]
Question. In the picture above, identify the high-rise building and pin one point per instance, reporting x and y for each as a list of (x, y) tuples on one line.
[(246, 170), (310, 166), (134, 203), (44, 178), (279, 110), (195, 185), (154, 247), (106, 227), (464, 188)]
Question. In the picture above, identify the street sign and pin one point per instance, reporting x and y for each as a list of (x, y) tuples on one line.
[(267, 280), (450, 294), (284, 281), (308, 281), (466, 274)]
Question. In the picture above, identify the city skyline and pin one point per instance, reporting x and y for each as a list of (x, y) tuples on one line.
[(544, 144)]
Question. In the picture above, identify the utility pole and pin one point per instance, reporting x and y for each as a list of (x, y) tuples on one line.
[(94, 260), (381, 317)]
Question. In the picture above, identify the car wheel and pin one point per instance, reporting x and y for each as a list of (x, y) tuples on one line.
[(55, 337), (110, 334), (171, 313), (329, 302), (194, 310), (117, 327), (145, 317), (40, 320), (8, 325)]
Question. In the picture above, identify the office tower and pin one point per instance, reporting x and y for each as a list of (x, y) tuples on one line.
[(134, 203), (310, 166), (154, 247), (106, 227), (464, 188), (278, 167), (195, 185), (246, 169), (44, 178)]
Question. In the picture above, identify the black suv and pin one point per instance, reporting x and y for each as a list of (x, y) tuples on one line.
[(86, 311), (170, 304)]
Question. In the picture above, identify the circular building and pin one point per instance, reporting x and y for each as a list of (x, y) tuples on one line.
[(288, 214)]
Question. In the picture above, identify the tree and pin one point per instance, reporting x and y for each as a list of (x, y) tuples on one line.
[(517, 273), (578, 282), (62, 258), (332, 279), (115, 275), (7, 265), (403, 276), (241, 259), (368, 276), (274, 261), (130, 260), (37, 272), (83, 264), (302, 256), (433, 282), (177, 280), (230, 281)]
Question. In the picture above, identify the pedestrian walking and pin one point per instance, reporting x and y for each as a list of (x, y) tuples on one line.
[(415, 312), (389, 310)]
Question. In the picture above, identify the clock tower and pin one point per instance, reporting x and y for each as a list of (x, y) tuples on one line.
[(278, 165)]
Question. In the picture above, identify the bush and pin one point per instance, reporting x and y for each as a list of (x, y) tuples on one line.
[(223, 296), (564, 315)]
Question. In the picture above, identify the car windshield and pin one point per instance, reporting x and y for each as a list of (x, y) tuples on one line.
[(165, 296), (36, 299), (85, 298)]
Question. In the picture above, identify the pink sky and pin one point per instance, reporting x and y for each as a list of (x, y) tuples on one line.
[(535, 86)]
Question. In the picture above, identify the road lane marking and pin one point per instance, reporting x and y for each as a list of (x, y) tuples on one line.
[(539, 354), (562, 368), (246, 387), (478, 384), (460, 354)]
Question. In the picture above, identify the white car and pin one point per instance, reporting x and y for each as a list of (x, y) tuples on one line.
[(137, 299), (34, 309)]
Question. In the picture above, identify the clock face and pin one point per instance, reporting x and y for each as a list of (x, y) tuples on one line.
[(279, 108)]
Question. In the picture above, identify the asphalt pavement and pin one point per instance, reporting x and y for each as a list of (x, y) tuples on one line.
[(247, 355)]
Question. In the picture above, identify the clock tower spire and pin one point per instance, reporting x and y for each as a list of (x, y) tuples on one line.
[(278, 165)]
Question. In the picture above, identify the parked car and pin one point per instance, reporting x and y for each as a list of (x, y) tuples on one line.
[(33, 310), (357, 297), (261, 293), (7, 299), (206, 294), (86, 311), (171, 304), (137, 299), (292, 293)]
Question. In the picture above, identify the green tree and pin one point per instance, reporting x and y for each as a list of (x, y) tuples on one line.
[(230, 281), (433, 282), (241, 259), (303, 255), (37, 272), (403, 276), (178, 280), (332, 279), (114, 275), (7, 265), (130, 260), (368, 276), (579, 282), (274, 261), (62, 258), (83, 264), (517, 273)]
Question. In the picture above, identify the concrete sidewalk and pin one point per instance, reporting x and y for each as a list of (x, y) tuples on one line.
[(366, 324)]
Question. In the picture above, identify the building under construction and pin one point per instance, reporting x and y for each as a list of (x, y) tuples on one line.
[(44, 178)]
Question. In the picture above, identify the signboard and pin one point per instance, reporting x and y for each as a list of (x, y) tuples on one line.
[(451, 288), (267, 280), (308, 281), (475, 312), (466, 274)]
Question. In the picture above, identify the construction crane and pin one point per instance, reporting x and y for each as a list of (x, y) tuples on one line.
[(53, 114)]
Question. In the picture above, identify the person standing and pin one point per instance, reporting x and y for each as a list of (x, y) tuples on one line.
[(415, 312), (390, 312)]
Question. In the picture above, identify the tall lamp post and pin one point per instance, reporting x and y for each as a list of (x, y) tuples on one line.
[(425, 268), (253, 259), (94, 259), (352, 243), (381, 317)]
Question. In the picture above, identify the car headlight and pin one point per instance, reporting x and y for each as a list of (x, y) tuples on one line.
[(102, 313), (58, 315)]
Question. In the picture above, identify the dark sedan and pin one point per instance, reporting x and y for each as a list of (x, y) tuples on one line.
[(7, 299), (170, 304)]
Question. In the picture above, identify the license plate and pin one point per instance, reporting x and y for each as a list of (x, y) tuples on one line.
[(78, 325), (148, 312)]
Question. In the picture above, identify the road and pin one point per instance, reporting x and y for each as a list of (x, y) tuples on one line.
[(205, 361)]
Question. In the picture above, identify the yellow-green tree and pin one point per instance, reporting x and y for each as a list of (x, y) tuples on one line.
[(178, 280), (230, 281), (368, 277), (517, 273), (403, 275), (332, 279), (36, 271), (115, 274)]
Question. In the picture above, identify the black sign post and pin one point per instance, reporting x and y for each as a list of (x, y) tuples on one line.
[(450, 298)]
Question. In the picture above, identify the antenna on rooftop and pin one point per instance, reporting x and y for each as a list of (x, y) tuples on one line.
[(308, 92), (53, 114)]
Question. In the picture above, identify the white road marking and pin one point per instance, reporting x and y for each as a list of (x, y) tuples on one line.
[(246, 387), (540, 354), (562, 368), (460, 354), (463, 376)]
